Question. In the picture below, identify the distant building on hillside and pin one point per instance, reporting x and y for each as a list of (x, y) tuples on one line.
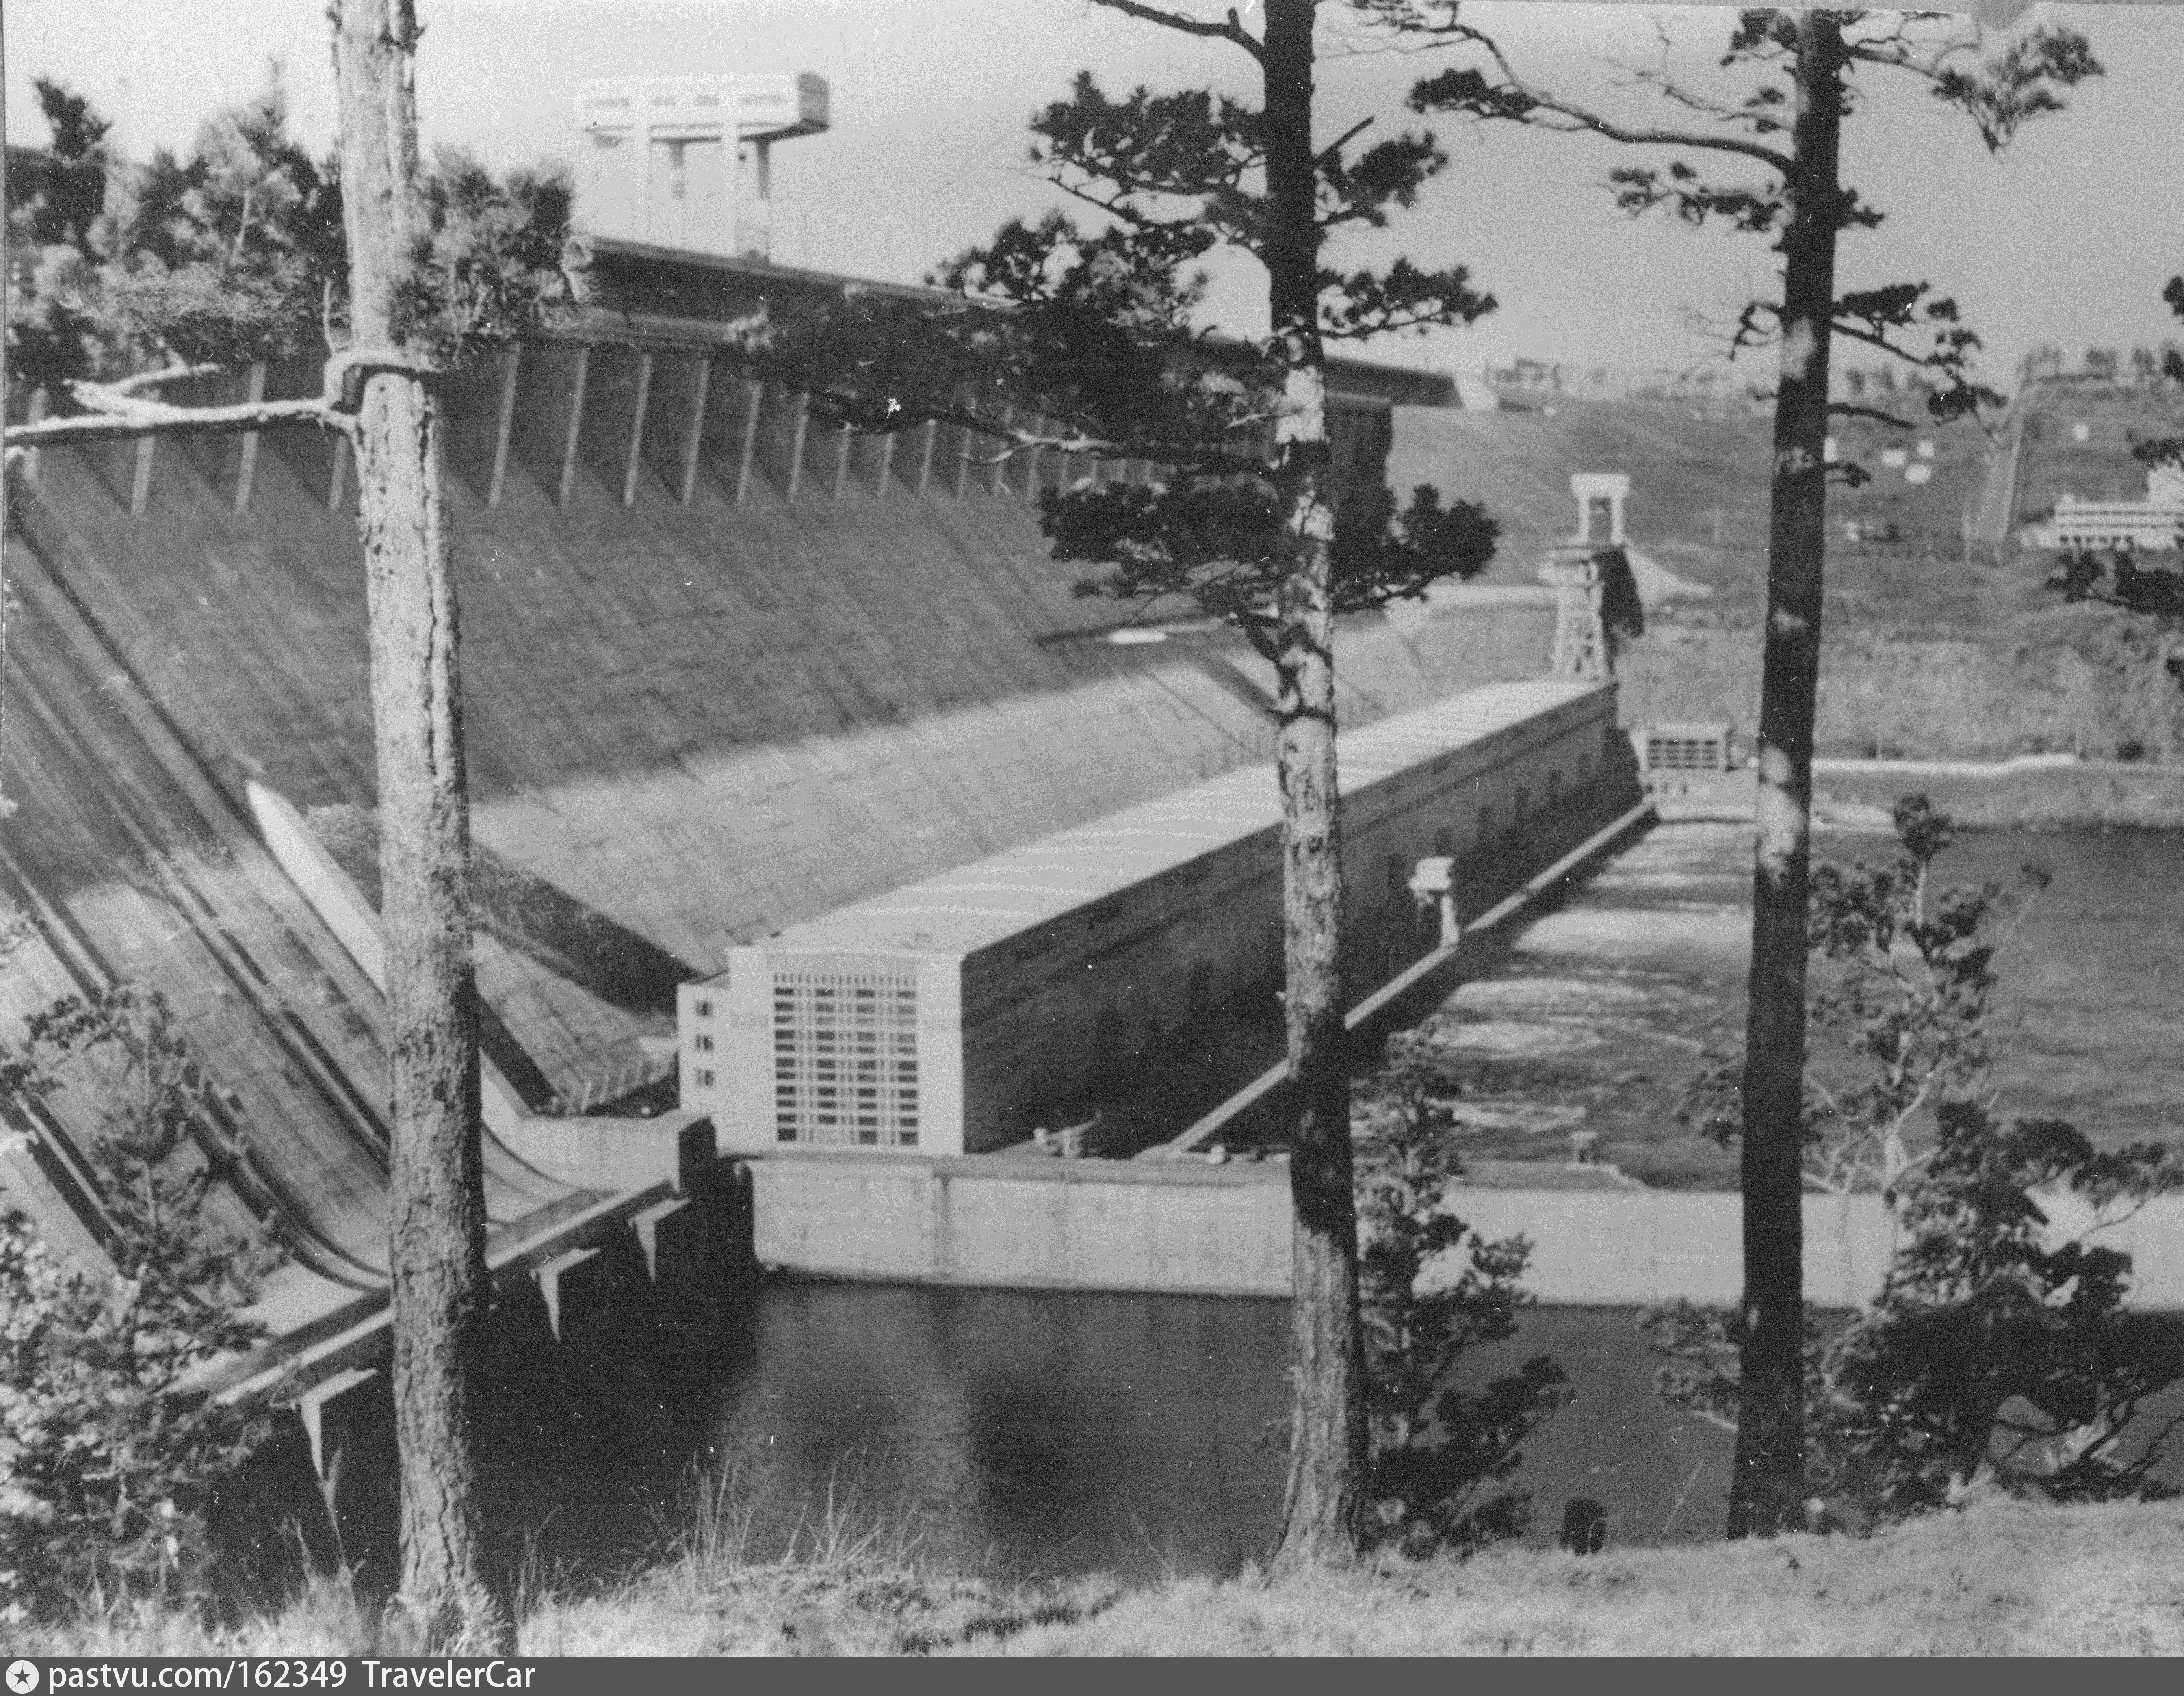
[(1608, 383), (2154, 524)]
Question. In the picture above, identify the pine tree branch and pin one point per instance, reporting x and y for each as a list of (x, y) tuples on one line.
[(1581, 120), (1516, 100), (1122, 209), (164, 374), (1230, 29), (1331, 152), (1875, 339), (1843, 409), (1663, 82)]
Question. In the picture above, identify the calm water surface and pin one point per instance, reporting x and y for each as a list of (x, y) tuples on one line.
[(1037, 1433), (2093, 982)]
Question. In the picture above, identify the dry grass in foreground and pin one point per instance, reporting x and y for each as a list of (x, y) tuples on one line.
[(2003, 1577)]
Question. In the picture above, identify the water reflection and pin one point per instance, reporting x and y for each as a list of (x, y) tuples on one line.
[(1017, 1432), (1043, 1433)]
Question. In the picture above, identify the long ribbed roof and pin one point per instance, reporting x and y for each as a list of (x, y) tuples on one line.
[(981, 904)]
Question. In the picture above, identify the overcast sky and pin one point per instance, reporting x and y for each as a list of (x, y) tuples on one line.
[(2067, 240)]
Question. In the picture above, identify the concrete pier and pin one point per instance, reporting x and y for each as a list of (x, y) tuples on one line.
[(1173, 1228)]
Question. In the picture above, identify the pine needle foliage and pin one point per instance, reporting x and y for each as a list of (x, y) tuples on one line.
[(2002, 1349), (1430, 1289), (113, 1450), (1092, 327), (237, 252), (497, 258)]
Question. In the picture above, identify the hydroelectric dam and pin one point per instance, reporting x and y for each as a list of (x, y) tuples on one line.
[(839, 875), (831, 856)]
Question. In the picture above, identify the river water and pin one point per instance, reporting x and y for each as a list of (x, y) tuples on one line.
[(1602, 1008), (1029, 1433)]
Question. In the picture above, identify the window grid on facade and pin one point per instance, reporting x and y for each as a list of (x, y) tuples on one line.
[(1690, 751), (703, 1042), (704, 1077), (845, 1059), (702, 1010)]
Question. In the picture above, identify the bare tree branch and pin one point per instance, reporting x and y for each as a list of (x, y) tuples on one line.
[(1230, 29), (155, 418), (1663, 81), (1517, 100), (117, 411)]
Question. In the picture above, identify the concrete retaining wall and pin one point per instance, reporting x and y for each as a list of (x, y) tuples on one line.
[(612, 1154), (1007, 1221), (1001, 1221)]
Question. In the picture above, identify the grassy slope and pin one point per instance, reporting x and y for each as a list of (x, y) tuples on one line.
[(2001, 1578)]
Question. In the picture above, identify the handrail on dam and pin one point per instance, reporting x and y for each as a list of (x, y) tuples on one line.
[(1419, 968)]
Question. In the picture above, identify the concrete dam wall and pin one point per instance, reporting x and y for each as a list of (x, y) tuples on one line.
[(723, 673)]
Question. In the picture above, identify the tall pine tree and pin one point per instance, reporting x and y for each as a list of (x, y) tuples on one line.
[(1091, 330), (239, 255), (1789, 123)]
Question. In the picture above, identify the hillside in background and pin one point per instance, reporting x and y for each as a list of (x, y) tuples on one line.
[(1697, 477), (1943, 640), (2053, 463)]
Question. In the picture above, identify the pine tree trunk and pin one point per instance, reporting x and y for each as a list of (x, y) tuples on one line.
[(5, 283), (1323, 1510), (1767, 1493), (436, 1213)]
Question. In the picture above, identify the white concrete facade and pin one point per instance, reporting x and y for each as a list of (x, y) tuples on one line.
[(662, 163), (959, 1014), (1611, 487), (2146, 525)]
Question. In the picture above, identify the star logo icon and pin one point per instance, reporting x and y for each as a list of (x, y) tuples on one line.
[(22, 1677)]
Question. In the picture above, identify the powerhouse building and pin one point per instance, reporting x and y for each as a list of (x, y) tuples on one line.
[(725, 673), (953, 1015)]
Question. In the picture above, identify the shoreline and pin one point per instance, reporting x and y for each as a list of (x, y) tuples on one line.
[(2030, 792)]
